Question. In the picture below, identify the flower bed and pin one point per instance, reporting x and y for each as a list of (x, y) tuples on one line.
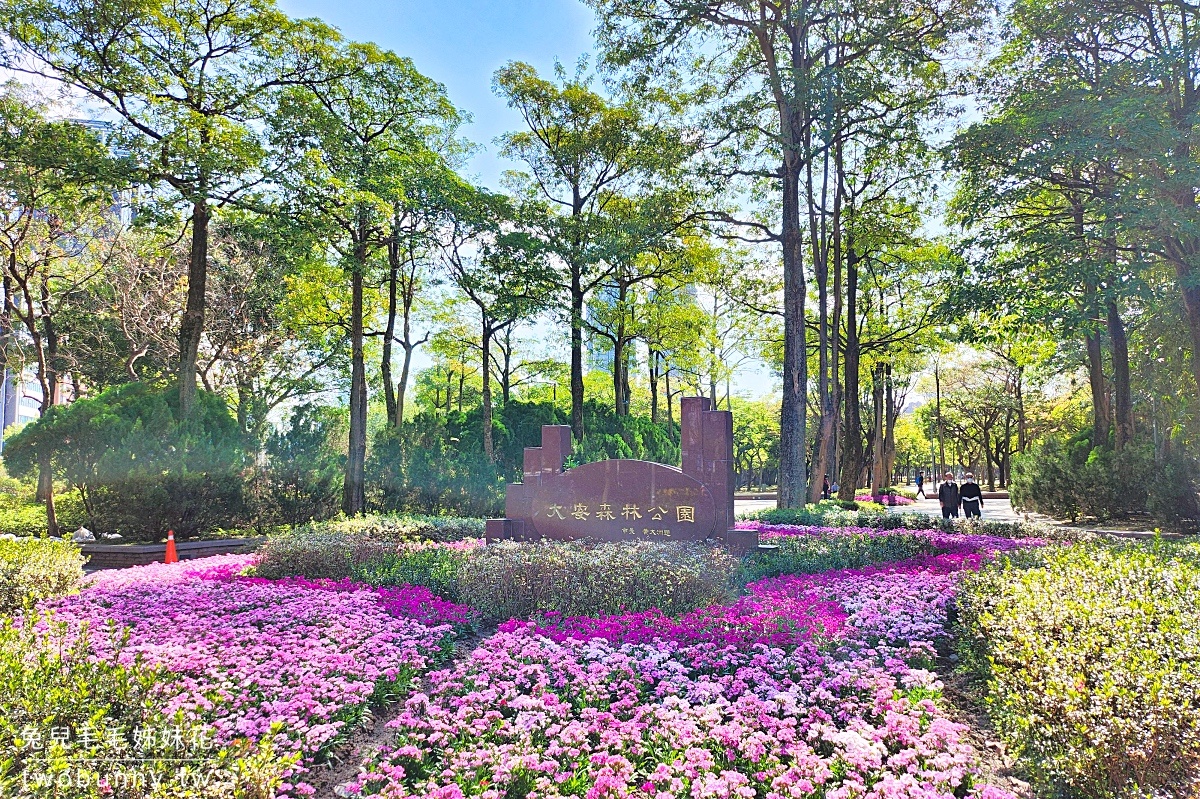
[(814, 682), (894, 500), (809, 685), (246, 653)]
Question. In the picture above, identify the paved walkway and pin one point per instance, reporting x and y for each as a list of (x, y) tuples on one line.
[(1000, 510), (997, 510)]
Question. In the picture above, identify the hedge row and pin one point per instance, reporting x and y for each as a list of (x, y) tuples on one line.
[(1091, 657), (33, 569)]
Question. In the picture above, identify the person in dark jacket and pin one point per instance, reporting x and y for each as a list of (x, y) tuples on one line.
[(972, 497), (921, 484), (949, 497)]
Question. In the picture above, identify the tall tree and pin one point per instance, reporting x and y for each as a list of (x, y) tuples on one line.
[(360, 128), (583, 153), (501, 270), (760, 64), (55, 236), (188, 82)]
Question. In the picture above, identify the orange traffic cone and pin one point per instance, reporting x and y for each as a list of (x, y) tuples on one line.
[(172, 555)]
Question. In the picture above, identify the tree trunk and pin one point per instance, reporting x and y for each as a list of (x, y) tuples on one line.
[(1022, 424), (1189, 283), (941, 424), (668, 395), (793, 474), (878, 449), (652, 365), (191, 328), (46, 490), (389, 331), (1122, 391), (852, 435), (1100, 409), (890, 414), (576, 355), (619, 405), (486, 346), (506, 372), (354, 489)]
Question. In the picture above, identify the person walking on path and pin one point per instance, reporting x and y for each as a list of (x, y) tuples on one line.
[(949, 497), (972, 497), (921, 484), (825, 488)]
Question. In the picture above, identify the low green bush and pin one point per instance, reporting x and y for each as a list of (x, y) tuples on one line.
[(821, 553), (1091, 659), (380, 550), (434, 566), (140, 467), (77, 727), (33, 569), (315, 554), (1071, 479), (407, 527), (22, 515), (523, 579)]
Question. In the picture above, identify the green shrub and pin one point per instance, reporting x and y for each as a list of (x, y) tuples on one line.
[(303, 478), (435, 462), (22, 515), (1091, 657), (33, 569), (1070, 479), (316, 555), (522, 579), (821, 553), (410, 527), (381, 550), (138, 467), (1172, 495), (106, 709), (434, 566)]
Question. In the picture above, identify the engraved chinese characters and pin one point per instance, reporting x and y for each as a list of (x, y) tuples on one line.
[(610, 500), (628, 499)]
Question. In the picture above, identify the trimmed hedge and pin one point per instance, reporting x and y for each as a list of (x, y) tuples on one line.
[(821, 553), (380, 550), (1091, 657), (33, 569), (524, 579)]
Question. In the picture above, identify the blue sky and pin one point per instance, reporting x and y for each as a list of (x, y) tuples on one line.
[(461, 43)]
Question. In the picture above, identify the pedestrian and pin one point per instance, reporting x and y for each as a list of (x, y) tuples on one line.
[(949, 497), (825, 488), (921, 484), (834, 489), (972, 497)]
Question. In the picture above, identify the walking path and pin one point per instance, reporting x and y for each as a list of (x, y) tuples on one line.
[(997, 510), (1000, 510)]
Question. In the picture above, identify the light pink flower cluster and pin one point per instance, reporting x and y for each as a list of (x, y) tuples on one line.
[(245, 654), (643, 706), (885, 499)]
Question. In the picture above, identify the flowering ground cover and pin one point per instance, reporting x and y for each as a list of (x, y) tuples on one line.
[(810, 685), (814, 681), (885, 499), (295, 662)]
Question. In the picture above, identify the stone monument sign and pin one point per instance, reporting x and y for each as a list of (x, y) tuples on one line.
[(617, 500)]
